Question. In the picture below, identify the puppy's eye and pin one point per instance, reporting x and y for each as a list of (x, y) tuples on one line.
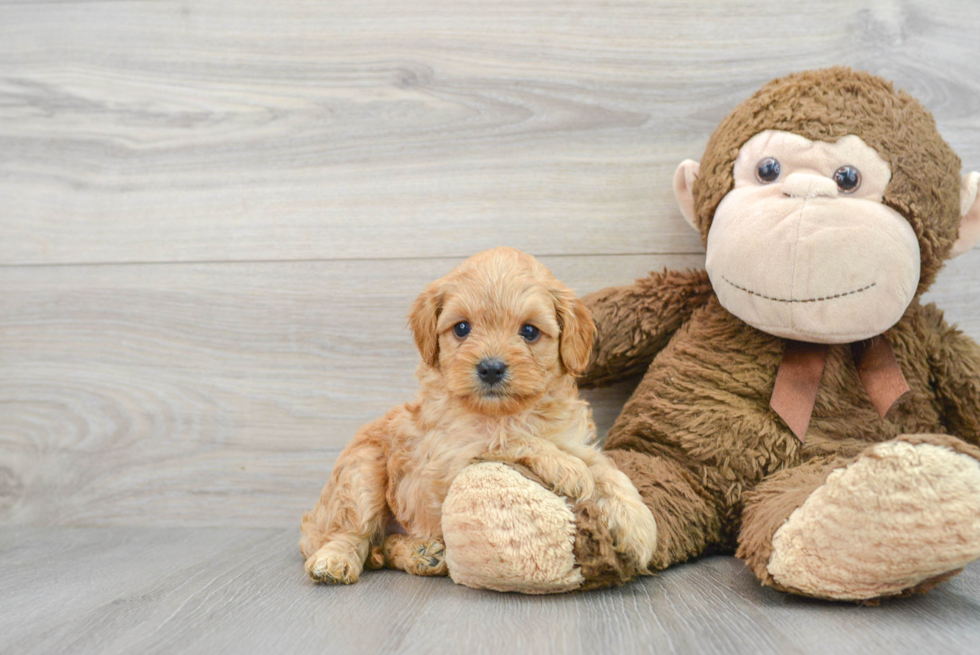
[(530, 333), (461, 329), (848, 179), (767, 170)]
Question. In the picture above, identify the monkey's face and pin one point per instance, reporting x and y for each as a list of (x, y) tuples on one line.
[(826, 225), (803, 248)]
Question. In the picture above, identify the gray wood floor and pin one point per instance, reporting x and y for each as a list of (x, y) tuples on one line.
[(214, 216), (187, 590)]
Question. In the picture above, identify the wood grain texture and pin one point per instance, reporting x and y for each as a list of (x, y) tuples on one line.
[(229, 131), (118, 590), (220, 394), (213, 217), (210, 393)]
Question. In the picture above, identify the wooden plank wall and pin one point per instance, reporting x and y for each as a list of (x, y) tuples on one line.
[(214, 215)]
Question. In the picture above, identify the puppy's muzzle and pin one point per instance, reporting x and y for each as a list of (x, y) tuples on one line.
[(491, 371)]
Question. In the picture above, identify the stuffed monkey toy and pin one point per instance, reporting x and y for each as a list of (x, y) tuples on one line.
[(799, 406)]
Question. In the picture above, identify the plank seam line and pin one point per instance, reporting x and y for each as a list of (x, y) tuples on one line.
[(193, 262)]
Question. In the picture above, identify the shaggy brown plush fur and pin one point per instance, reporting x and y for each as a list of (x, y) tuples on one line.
[(600, 564), (720, 470), (701, 416), (637, 321), (716, 465), (865, 507)]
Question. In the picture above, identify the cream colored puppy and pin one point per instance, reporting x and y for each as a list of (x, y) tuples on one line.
[(501, 342)]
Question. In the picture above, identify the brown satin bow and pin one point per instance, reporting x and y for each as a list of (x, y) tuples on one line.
[(801, 368)]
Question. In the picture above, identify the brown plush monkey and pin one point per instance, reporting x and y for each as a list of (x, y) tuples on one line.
[(800, 406)]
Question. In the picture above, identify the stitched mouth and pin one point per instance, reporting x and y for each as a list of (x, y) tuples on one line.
[(802, 300)]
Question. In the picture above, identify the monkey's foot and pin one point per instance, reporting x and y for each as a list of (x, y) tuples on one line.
[(507, 533), (899, 519)]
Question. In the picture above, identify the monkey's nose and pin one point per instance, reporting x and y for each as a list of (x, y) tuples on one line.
[(805, 185), (491, 371)]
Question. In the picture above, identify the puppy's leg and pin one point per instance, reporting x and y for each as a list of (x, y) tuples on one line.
[(631, 524), (415, 555), (566, 474), (351, 513)]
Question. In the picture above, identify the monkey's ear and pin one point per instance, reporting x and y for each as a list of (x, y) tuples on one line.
[(423, 319), (684, 178), (970, 211), (577, 331)]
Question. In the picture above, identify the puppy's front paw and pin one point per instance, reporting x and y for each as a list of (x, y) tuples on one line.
[(569, 476), (334, 564), (415, 556), (634, 532), (429, 558), (631, 523)]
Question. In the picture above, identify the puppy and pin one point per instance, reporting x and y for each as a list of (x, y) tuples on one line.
[(501, 340)]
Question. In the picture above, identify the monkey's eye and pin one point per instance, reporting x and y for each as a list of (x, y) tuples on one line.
[(767, 170), (461, 329), (848, 179), (530, 333)]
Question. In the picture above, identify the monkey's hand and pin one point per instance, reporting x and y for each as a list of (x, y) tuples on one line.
[(635, 322)]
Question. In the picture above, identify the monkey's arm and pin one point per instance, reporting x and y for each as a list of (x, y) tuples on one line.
[(635, 322), (954, 359)]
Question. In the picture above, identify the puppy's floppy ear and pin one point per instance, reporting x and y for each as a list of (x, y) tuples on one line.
[(577, 330), (423, 318)]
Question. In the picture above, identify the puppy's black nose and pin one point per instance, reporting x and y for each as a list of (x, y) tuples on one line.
[(491, 371)]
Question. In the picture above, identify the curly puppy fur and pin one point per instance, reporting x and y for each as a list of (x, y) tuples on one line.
[(401, 465)]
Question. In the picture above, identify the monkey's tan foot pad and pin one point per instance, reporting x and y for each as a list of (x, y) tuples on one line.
[(334, 564), (506, 532), (415, 556), (895, 519)]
